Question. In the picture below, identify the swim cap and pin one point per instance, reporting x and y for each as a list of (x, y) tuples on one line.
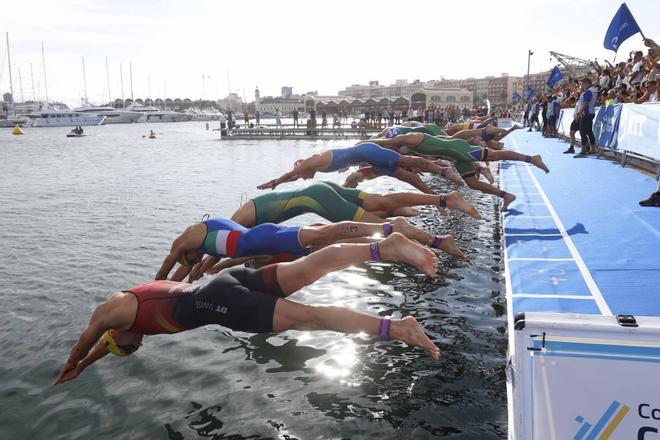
[(392, 132), (116, 349), (111, 344)]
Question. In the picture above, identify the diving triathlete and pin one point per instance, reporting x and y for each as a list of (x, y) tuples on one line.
[(383, 160), (220, 237), (248, 300), (463, 155)]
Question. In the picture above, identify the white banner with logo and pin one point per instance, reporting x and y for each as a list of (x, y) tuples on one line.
[(639, 129), (584, 377), (583, 397)]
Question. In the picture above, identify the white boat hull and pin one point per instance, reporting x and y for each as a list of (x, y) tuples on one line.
[(69, 121), (122, 117), (167, 117)]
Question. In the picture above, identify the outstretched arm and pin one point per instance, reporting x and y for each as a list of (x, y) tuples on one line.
[(291, 176), (307, 166), (97, 353), (201, 267), (228, 262), (181, 272), (77, 360), (183, 243), (167, 265)]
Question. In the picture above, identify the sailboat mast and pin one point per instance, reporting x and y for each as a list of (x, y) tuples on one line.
[(130, 70), (107, 75), (228, 89), (43, 60), (20, 84), (121, 80), (11, 84), (34, 96), (84, 80)]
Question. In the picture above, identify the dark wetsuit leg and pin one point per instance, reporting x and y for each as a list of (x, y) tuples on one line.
[(239, 298)]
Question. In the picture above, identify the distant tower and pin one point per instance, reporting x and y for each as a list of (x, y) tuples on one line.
[(287, 92), (257, 103)]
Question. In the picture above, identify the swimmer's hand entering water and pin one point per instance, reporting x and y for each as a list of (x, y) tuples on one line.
[(268, 185)]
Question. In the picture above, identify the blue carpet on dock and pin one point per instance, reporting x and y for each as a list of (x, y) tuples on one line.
[(576, 239)]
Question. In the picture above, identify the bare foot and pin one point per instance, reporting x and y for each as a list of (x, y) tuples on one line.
[(485, 171), (401, 225), (405, 212), (455, 201), (398, 248), (449, 247), (409, 331), (538, 162), (453, 176), (508, 199)]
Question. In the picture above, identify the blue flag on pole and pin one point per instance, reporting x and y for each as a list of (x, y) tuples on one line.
[(622, 27), (555, 77), (516, 96), (530, 92)]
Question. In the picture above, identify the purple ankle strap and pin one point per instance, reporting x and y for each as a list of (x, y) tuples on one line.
[(375, 253), (390, 213), (444, 172), (384, 333), (528, 159), (502, 194), (443, 201), (436, 242), (387, 229)]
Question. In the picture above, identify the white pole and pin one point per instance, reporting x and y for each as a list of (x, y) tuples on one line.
[(121, 80), (20, 84), (11, 84), (84, 80), (130, 70), (107, 75), (43, 59), (34, 96)]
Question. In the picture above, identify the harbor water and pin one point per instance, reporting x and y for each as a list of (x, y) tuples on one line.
[(81, 218)]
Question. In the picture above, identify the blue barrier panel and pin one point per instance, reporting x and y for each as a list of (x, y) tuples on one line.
[(610, 118), (598, 122)]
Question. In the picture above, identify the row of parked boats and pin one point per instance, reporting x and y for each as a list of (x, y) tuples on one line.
[(99, 115)]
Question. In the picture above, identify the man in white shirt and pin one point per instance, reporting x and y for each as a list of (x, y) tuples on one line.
[(637, 73)]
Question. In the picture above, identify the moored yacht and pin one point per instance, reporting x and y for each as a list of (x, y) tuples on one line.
[(64, 118), (209, 114), (153, 114), (112, 115)]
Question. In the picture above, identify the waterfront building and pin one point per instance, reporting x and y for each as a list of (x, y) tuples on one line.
[(498, 90)]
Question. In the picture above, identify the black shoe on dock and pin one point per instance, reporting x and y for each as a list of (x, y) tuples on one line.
[(570, 150), (654, 200)]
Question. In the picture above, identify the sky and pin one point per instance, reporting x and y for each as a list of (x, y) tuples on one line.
[(204, 48)]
